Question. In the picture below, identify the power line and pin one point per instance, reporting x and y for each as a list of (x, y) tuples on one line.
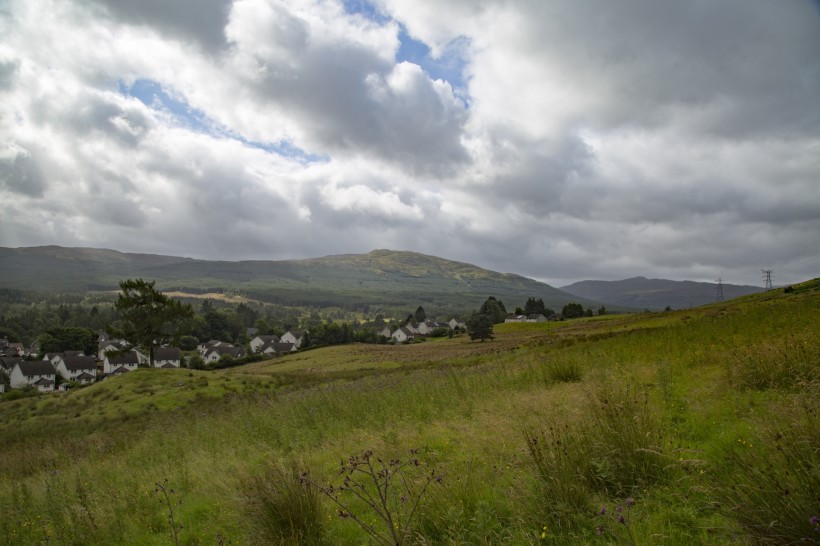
[(719, 296), (767, 277)]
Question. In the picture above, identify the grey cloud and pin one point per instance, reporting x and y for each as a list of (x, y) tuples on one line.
[(22, 173), (201, 22), (752, 65), (114, 210)]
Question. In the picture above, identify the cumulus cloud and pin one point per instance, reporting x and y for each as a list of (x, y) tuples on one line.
[(573, 140)]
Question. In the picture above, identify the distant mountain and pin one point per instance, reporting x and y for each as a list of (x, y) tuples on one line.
[(655, 294), (383, 278)]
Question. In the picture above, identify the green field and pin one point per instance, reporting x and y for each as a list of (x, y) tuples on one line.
[(685, 427)]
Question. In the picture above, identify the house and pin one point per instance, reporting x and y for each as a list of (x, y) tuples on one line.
[(537, 317), (516, 318), (412, 327), (258, 342), (215, 353), (82, 369), (53, 358), (385, 332), (276, 348), (402, 334), (34, 348), (293, 336), (7, 363), (116, 364), (16, 349), (39, 373), (110, 346), (167, 357), (457, 323), (205, 347)]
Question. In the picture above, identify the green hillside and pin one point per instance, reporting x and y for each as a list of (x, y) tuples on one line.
[(684, 427), (384, 278)]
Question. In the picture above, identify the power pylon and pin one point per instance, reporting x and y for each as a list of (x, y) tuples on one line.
[(719, 296), (767, 277)]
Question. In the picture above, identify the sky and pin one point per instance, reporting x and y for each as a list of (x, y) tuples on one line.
[(561, 140)]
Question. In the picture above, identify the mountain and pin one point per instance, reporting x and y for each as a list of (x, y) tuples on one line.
[(385, 278), (655, 294)]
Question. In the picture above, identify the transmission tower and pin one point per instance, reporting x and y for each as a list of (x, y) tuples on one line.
[(767, 277), (719, 290)]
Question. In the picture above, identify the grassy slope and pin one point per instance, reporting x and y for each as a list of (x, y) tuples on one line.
[(80, 468)]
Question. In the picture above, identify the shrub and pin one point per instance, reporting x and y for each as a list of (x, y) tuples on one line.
[(282, 509), (563, 370), (789, 363)]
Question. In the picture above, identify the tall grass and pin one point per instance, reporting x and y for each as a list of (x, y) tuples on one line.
[(615, 450), (770, 482)]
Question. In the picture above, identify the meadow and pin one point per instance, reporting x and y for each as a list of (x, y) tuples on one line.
[(684, 427)]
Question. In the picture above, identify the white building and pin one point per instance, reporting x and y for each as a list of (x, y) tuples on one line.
[(39, 373), (82, 369)]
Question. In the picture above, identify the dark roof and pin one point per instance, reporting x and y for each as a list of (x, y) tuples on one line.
[(44, 381), (72, 353), (283, 347), (167, 365), (86, 375), (295, 333), (269, 339), (8, 362), (125, 358), (77, 363), (36, 367), (224, 350), (121, 369), (167, 353)]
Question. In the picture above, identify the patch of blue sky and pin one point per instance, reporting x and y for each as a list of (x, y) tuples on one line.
[(448, 67), (153, 95)]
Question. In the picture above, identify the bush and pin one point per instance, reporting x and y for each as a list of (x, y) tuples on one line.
[(282, 509)]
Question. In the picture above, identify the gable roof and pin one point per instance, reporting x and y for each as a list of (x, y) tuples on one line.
[(121, 369), (44, 381), (224, 350), (8, 362), (167, 353), (295, 333), (268, 339), (77, 363), (130, 358), (36, 367), (85, 375), (167, 365)]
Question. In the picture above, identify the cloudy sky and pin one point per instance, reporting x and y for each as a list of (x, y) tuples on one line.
[(558, 139)]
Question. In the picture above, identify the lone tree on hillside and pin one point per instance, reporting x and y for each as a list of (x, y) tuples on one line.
[(149, 317), (480, 326), (494, 309)]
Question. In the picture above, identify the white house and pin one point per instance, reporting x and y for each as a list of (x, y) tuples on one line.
[(205, 347), (82, 369), (215, 353), (516, 318), (276, 348), (167, 357), (402, 334), (7, 363), (537, 317), (119, 364), (293, 336), (258, 342), (39, 373), (110, 345), (457, 323), (412, 327)]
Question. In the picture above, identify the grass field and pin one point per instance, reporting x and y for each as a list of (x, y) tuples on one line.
[(686, 427)]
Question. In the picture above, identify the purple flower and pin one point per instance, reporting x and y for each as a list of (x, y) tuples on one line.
[(630, 501), (621, 520)]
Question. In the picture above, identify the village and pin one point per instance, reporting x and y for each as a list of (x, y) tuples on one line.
[(28, 368)]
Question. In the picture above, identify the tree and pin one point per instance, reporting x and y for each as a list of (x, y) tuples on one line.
[(149, 317), (480, 326), (420, 315), (602, 311), (494, 309), (535, 307), (572, 310)]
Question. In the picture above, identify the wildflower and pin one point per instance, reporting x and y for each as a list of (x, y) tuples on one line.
[(630, 501), (603, 510)]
